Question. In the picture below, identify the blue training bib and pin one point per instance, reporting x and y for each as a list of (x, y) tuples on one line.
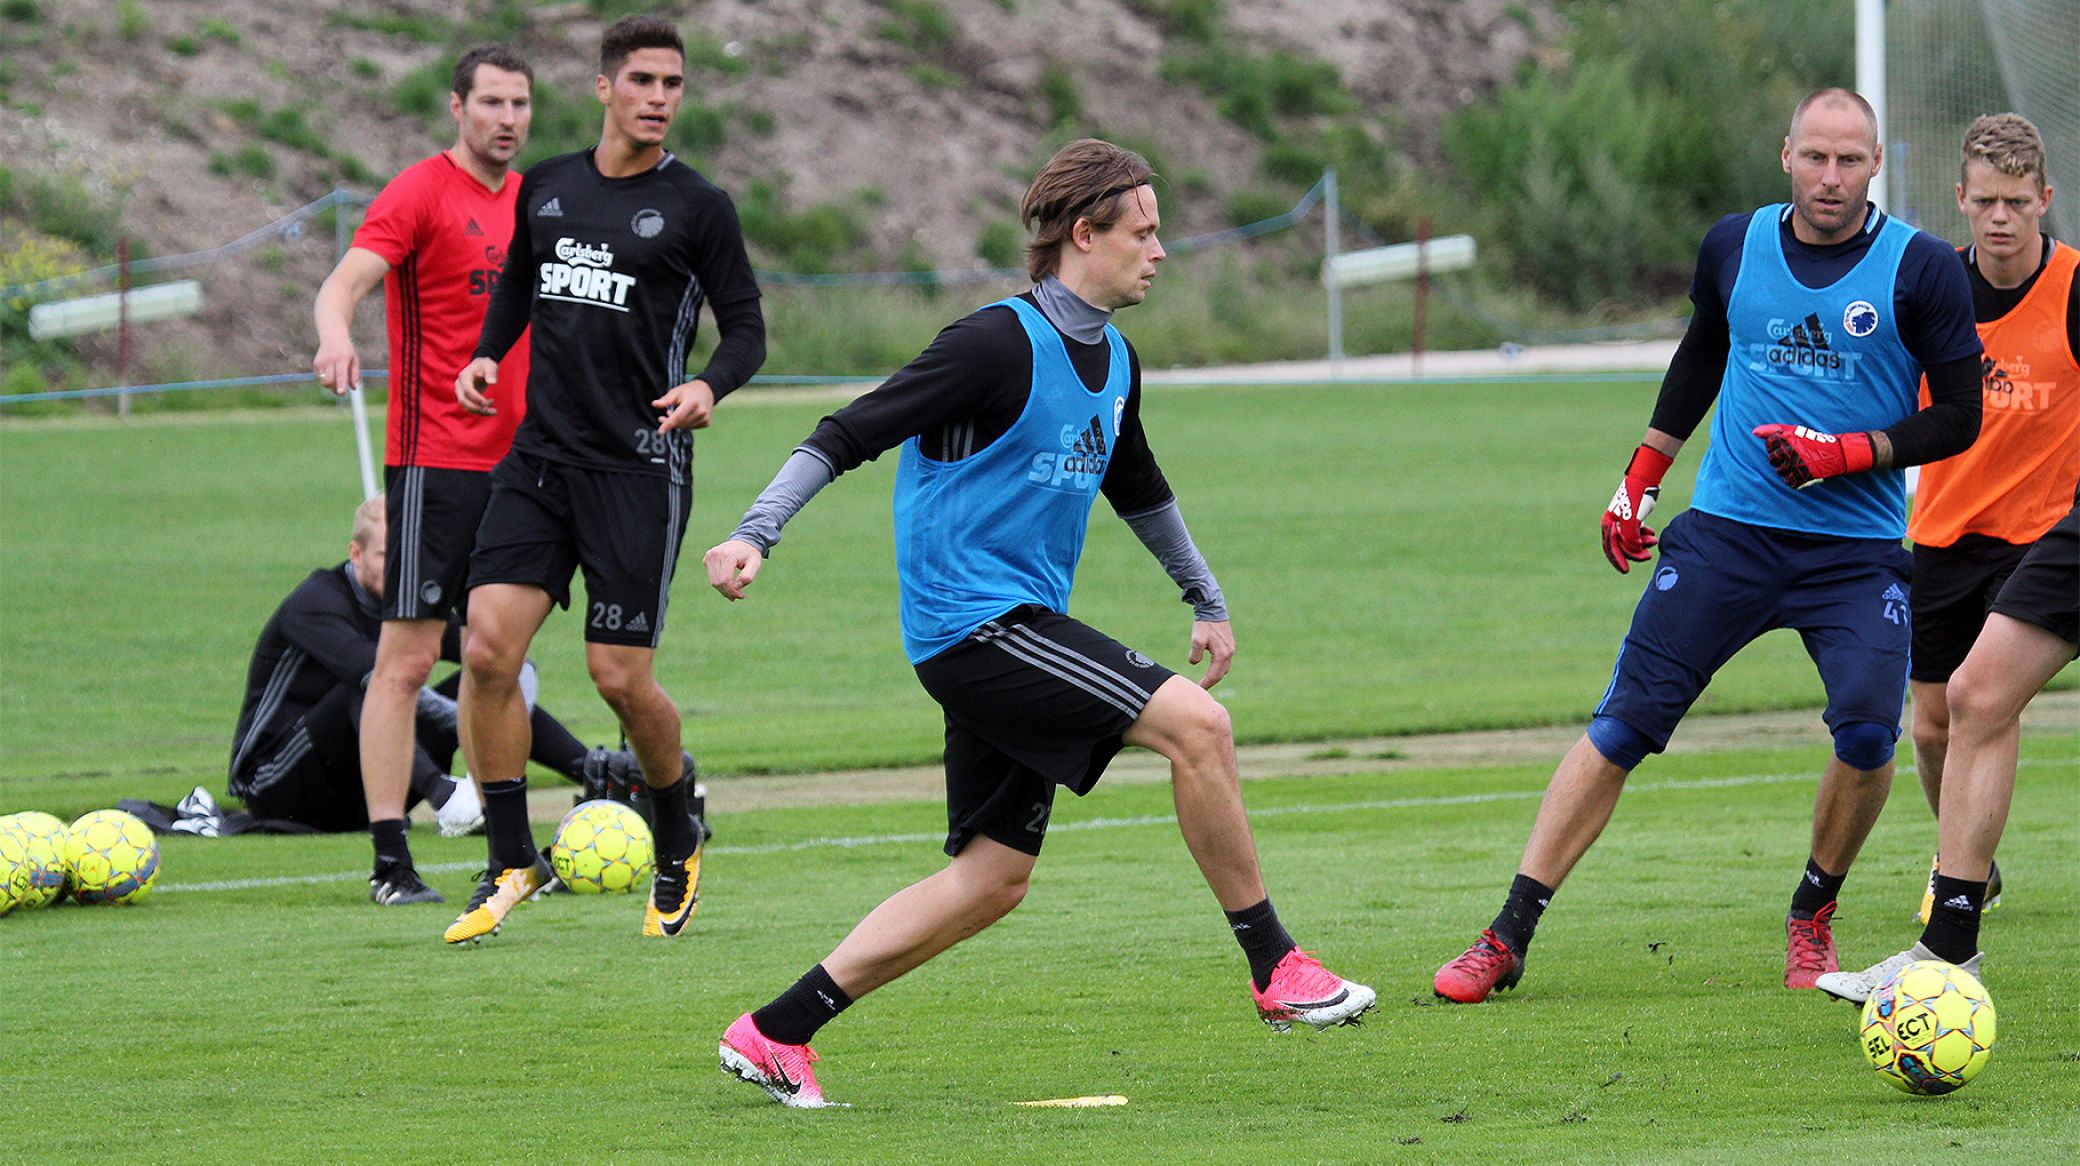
[(1004, 526), (1828, 358)]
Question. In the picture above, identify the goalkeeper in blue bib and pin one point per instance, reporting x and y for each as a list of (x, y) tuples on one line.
[(1011, 424), (1816, 320)]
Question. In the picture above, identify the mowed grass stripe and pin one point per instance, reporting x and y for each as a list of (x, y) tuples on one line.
[(857, 841)]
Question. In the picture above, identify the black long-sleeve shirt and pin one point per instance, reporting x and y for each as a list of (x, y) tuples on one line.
[(611, 274), (322, 635)]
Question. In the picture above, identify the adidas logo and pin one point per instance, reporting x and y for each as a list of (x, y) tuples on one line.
[(1807, 335), (1082, 463), (1960, 903), (1092, 443), (1993, 377), (1893, 594), (473, 229), (553, 209), (641, 623), (1805, 346)]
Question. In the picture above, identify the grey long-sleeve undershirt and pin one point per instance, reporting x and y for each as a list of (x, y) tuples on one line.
[(1161, 530)]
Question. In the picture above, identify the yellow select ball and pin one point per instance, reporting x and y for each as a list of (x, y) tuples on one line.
[(44, 871), (114, 857), (600, 846), (1930, 1029)]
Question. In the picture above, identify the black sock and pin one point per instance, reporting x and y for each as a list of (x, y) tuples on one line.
[(674, 825), (391, 849), (1953, 922), (1816, 889), (794, 1016), (505, 824), (1528, 899), (555, 747), (1263, 939)]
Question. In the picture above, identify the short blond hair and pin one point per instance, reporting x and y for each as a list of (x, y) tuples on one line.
[(367, 517), (2008, 143)]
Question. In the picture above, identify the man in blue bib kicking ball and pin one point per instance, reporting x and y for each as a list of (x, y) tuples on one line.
[(1011, 423), (1815, 321)]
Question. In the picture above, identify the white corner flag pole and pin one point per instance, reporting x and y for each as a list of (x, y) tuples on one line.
[(357, 407)]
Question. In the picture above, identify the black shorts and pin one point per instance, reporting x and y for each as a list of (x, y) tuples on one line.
[(1033, 700), (433, 516), (2045, 588), (1953, 588), (546, 520)]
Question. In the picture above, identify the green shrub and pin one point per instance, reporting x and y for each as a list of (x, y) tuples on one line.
[(1192, 20), (132, 22), (354, 171), (423, 93), (21, 11), (243, 110), (1600, 178), (1002, 243), (253, 161), (935, 76), (61, 207), (823, 237), (1258, 92), (705, 51), (287, 126), (364, 68), (610, 11), (923, 25), (183, 45), (1249, 206), (217, 30), (424, 29), (1058, 90)]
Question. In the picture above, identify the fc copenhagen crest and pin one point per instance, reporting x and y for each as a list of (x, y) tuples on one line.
[(1860, 319)]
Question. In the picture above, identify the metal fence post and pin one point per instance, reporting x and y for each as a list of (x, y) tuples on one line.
[(352, 398), (1332, 245)]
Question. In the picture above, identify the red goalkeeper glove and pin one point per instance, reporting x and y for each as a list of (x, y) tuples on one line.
[(1627, 539), (1802, 457)]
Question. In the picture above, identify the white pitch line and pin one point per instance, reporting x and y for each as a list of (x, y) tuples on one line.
[(854, 842)]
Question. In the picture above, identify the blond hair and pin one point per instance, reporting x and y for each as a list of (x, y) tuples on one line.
[(1084, 180), (367, 517), (2008, 143)]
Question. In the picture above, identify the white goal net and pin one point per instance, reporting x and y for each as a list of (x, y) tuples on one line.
[(1947, 62)]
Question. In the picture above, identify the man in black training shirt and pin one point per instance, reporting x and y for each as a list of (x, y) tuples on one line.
[(296, 755), (614, 250), (1011, 424)]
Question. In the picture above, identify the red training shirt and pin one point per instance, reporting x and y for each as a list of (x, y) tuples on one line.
[(444, 235)]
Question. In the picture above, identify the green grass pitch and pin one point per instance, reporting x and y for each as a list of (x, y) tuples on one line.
[(1399, 559), (214, 1024)]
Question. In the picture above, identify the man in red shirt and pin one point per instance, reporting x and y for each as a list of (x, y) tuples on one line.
[(436, 238)]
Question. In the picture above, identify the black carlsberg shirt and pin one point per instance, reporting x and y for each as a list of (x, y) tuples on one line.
[(611, 273)]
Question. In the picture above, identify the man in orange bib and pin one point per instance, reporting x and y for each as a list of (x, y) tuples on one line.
[(1977, 514)]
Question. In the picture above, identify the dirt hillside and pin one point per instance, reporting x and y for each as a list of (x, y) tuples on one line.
[(197, 123)]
